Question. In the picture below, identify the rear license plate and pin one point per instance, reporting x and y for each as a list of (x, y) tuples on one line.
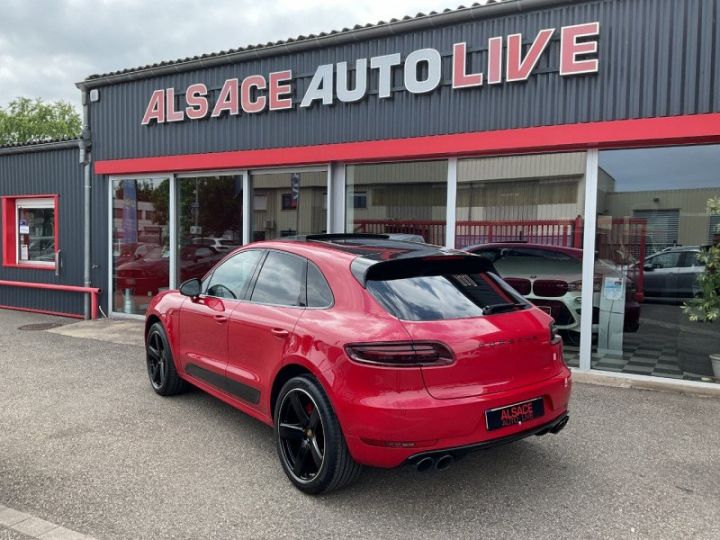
[(514, 414)]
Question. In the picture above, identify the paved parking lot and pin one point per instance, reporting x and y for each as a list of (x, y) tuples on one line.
[(86, 444)]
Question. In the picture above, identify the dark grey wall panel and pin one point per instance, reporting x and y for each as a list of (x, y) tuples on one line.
[(53, 171), (657, 58)]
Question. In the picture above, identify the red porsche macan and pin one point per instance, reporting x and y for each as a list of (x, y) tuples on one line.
[(363, 350)]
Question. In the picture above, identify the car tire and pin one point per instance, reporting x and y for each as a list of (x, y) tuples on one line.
[(164, 378), (307, 431)]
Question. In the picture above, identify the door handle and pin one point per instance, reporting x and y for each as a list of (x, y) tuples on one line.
[(279, 332), (220, 318)]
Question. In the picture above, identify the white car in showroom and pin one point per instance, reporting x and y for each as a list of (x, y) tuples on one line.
[(551, 278)]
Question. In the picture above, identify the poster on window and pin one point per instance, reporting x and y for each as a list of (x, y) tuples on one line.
[(24, 255), (130, 225)]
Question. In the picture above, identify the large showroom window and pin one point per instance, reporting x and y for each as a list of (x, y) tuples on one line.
[(656, 224), (209, 222), (523, 213), (140, 242), (288, 203), (403, 199)]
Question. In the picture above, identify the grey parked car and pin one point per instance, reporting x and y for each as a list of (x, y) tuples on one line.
[(673, 272)]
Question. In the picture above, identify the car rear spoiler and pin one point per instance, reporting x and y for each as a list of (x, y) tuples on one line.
[(365, 270)]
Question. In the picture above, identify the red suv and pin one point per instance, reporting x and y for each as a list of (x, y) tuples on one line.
[(362, 350)]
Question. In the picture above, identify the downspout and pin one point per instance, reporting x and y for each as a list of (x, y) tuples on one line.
[(86, 161)]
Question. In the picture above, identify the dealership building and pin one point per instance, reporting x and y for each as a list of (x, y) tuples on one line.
[(575, 143)]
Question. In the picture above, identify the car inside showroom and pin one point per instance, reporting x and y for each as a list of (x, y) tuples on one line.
[(574, 145)]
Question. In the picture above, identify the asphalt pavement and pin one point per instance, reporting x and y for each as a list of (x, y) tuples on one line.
[(86, 444)]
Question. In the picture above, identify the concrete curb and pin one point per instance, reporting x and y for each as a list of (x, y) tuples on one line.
[(35, 527), (640, 382)]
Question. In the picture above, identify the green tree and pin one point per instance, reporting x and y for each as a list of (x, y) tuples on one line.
[(27, 120)]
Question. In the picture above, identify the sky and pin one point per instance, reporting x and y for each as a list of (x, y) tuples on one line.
[(682, 167), (46, 46)]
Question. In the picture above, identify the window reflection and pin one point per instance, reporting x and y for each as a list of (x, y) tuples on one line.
[(141, 242), (210, 217), (288, 204), (654, 226), (523, 213), (406, 200)]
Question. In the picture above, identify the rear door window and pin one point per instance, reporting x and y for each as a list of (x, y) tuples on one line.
[(666, 260), (691, 260), (444, 296), (281, 280)]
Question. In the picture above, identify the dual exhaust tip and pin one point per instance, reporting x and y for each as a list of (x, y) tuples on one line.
[(439, 464), (444, 461), (557, 428)]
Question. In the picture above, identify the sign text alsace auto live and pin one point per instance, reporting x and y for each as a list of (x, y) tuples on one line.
[(256, 93)]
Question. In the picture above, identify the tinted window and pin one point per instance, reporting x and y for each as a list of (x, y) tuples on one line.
[(432, 298), (231, 277), (318, 290), (490, 254), (666, 260), (281, 280), (691, 259)]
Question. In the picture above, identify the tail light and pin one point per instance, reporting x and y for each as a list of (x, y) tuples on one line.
[(550, 288), (401, 353)]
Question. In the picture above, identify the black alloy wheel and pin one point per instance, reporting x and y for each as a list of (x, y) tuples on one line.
[(310, 442), (302, 438), (156, 359), (160, 364)]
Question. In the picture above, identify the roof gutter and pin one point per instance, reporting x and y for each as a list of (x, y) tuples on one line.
[(39, 147), (354, 35)]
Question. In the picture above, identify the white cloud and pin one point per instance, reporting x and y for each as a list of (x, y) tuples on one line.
[(47, 45)]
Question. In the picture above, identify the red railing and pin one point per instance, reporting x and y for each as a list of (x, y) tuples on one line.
[(467, 233), (563, 232), (92, 291), (620, 240)]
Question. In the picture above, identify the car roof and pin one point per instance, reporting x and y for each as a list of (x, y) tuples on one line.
[(675, 250), (374, 247), (367, 251)]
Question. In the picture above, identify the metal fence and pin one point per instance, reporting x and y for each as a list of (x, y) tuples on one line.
[(622, 241)]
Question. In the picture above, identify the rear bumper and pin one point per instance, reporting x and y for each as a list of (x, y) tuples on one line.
[(553, 426), (391, 433)]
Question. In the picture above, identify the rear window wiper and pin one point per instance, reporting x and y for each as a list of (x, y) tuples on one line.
[(501, 308)]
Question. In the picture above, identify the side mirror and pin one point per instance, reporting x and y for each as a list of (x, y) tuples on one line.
[(648, 267), (191, 288)]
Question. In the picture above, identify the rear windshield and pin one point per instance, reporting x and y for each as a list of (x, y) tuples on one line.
[(444, 296)]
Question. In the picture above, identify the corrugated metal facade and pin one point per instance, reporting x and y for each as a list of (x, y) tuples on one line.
[(657, 58), (56, 170)]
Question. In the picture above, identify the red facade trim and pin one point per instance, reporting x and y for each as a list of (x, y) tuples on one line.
[(672, 130)]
